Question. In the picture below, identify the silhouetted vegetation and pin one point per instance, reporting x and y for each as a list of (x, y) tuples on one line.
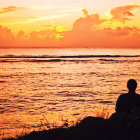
[(123, 127)]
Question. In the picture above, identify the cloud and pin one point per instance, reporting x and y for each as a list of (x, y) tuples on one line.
[(16, 20), (36, 19), (85, 13), (120, 37), (88, 21), (123, 13), (20, 35), (6, 36), (9, 9), (87, 31)]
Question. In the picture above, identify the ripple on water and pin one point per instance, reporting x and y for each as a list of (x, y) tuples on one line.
[(79, 100), (2, 81), (105, 102), (22, 101)]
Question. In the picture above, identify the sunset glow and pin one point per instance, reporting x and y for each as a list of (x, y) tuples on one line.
[(64, 63), (96, 24)]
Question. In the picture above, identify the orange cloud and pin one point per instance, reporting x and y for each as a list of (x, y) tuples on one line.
[(20, 35), (85, 12), (121, 37), (86, 32), (8, 9), (123, 13), (88, 22), (6, 36)]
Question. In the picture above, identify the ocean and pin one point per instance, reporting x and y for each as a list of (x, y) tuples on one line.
[(53, 85)]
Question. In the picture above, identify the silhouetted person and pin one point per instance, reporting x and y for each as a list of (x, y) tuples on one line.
[(129, 102)]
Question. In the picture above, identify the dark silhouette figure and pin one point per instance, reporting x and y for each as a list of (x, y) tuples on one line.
[(129, 102)]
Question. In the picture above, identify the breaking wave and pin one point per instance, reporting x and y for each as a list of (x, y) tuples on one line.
[(40, 60), (66, 56), (117, 61)]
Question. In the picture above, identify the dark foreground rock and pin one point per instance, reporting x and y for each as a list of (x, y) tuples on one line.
[(91, 128)]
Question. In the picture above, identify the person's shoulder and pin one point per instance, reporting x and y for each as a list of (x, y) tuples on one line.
[(123, 95), (137, 95)]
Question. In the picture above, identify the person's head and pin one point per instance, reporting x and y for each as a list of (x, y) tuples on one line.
[(132, 85)]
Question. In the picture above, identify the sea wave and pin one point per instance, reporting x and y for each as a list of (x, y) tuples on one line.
[(117, 61), (72, 58), (41, 60), (65, 56)]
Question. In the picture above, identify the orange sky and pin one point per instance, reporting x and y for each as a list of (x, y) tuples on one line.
[(70, 24)]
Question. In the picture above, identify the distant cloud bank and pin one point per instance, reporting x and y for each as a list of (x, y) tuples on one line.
[(88, 31)]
